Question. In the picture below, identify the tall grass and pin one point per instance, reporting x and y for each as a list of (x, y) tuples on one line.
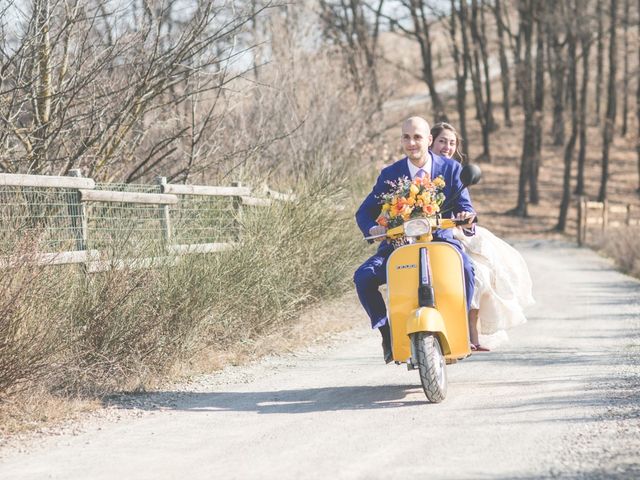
[(623, 246), (66, 331)]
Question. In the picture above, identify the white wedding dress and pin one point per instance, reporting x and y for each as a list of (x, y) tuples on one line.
[(502, 285)]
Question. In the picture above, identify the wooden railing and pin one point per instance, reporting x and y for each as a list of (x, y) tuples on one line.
[(603, 216), (85, 193)]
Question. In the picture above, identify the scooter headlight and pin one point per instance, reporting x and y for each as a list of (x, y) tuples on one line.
[(417, 227)]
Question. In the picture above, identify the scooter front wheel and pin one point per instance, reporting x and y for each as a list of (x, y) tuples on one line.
[(431, 365)]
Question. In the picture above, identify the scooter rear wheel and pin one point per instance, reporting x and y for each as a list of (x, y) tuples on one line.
[(431, 365)]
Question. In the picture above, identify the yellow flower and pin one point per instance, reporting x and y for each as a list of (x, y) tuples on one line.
[(439, 182), (385, 207), (413, 190), (411, 201)]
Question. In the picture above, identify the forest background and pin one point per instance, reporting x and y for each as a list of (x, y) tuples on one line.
[(307, 97)]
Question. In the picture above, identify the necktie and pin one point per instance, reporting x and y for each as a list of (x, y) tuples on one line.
[(420, 173)]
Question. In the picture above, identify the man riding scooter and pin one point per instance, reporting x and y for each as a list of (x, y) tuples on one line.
[(418, 163)]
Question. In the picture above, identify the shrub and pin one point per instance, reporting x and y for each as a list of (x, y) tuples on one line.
[(624, 248)]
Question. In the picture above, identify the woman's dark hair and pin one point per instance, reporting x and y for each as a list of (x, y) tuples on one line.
[(438, 128)]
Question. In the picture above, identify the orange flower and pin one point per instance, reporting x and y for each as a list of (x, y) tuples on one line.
[(428, 209), (382, 221)]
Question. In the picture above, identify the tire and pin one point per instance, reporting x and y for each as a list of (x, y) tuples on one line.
[(431, 365)]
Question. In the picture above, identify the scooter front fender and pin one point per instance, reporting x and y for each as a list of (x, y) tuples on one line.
[(428, 319)]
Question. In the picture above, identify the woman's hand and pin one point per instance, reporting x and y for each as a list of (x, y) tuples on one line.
[(469, 216)]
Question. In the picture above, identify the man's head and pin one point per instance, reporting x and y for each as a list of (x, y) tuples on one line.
[(416, 139)]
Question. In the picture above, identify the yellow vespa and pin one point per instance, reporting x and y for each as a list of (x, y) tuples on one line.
[(426, 304)]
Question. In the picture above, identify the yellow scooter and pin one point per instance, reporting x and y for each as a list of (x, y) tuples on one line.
[(426, 304)]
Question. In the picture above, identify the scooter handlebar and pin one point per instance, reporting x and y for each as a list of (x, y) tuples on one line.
[(442, 224)]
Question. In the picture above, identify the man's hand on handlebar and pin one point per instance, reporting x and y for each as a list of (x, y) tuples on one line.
[(377, 230)]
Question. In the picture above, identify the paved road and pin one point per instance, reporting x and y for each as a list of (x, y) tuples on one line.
[(559, 401)]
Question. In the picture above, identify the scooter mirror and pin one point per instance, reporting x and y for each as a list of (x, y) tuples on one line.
[(470, 174)]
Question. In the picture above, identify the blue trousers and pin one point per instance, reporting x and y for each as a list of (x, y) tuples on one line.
[(373, 273)]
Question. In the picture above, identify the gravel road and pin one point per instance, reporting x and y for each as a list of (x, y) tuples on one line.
[(560, 400)]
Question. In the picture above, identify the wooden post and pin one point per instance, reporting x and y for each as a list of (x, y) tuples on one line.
[(237, 208), (582, 220), (579, 223), (605, 215), (78, 213), (165, 219), (627, 221)]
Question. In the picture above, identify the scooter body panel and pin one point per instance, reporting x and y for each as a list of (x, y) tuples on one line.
[(402, 302)]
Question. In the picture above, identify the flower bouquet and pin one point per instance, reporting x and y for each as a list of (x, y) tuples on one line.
[(408, 199)]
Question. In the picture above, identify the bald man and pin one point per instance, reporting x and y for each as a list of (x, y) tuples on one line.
[(418, 162)]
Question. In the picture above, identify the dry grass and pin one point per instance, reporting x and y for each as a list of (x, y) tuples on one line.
[(129, 329), (622, 245)]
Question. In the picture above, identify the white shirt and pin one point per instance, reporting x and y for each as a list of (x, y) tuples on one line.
[(413, 170)]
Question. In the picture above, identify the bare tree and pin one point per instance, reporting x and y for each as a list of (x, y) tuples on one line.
[(458, 22), (570, 16), (79, 92), (482, 99), (625, 77), (538, 105), (599, 58), (610, 117), (586, 40), (354, 26), (421, 33), (526, 14), (504, 63), (557, 69), (638, 100)]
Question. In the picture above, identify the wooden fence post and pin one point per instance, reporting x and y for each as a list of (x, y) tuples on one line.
[(237, 208), (165, 218), (605, 215), (582, 220), (78, 213)]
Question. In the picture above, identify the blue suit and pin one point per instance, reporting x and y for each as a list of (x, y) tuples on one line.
[(373, 273)]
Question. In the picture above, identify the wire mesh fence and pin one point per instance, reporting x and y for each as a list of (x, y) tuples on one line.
[(41, 216), (58, 220)]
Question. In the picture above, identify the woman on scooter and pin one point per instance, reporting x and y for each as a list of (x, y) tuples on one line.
[(502, 281)]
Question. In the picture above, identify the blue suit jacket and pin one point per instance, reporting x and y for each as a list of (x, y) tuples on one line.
[(450, 170)]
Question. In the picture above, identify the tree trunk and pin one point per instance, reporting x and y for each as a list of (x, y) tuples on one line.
[(599, 58), (504, 66), (482, 108), (571, 143), (525, 10), (638, 104), (625, 78), (490, 119), (460, 16), (557, 69), (585, 41), (42, 104), (534, 196), (610, 118)]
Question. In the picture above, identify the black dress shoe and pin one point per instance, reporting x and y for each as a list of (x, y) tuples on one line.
[(386, 344)]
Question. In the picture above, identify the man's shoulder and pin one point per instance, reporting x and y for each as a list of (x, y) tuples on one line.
[(449, 164), (395, 169)]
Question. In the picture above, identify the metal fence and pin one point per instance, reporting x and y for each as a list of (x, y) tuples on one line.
[(76, 220)]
